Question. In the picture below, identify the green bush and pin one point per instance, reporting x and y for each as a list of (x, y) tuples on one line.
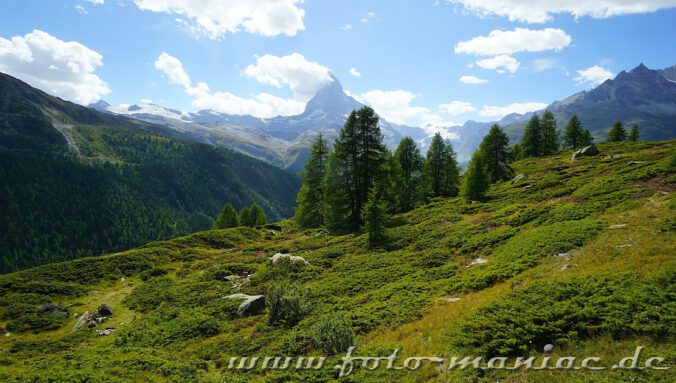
[(287, 305), (333, 333)]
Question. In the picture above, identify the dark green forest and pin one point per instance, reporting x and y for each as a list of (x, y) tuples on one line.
[(122, 182)]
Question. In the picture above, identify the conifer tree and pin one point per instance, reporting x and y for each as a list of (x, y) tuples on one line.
[(257, 216), (634, 133), (375, 216), (476, 180), (336, 208), (311, 194), (587, 138), (617, 133), (245, 217), (531, 142), (549, 134), (572, 135), (408, 166), (227, 218), (495, 151), (362, 154), (441, 168)]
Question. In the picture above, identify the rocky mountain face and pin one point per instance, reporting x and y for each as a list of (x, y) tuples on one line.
[(641, 96)]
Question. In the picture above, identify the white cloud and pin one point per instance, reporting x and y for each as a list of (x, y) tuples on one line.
[(173, 69), (346, 27), (394, 105), (369, 16), (518, 40), (594, 75), (303, 77), (146, 101), (64, 69), (80, 9), (263, 105), (99, 2), (472, 80), (500, 64), (216, 18), (518, 107), (354, 72), (540, 11), (455, 108)]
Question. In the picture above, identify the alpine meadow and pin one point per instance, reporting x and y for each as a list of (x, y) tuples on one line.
[(190, 194)]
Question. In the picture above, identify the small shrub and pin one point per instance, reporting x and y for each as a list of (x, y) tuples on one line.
[(333, 333), (287, 306)]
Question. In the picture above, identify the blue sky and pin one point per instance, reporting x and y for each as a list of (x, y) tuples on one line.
[(266, 57)]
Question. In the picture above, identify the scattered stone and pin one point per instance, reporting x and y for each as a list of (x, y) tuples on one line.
[(273, 227), (450, 299), (548, 348), (587, 151), (618, 226), (287, 232), (636, 162), (478, 261), (122, 279), (564, 255), (252, 305), (325, 232), (127, 283), (293, 258), (519, 177), (567, 266), (82, 321), (54, 309), (8, 334), (93, 292), (528, 186), (270, 233), (91, 323), (625, 245), (104, 310), (105, 332), (516, 285)]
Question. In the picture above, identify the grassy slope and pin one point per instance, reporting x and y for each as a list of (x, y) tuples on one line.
[(177, 330)]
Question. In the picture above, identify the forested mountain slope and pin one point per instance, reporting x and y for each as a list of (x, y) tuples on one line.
[(576, 253), (76, 182)]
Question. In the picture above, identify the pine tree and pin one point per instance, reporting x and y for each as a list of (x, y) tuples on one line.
[(311, 194), (408, 165), (617, 133), (375, 216), (634, 133), (244, 217), (227, 218), (362, 154), (573, 134), (531, 142), (549, 134), (586, 138), (336, 208), (476, 180), (257, 216), (441, 168), (495, 151)]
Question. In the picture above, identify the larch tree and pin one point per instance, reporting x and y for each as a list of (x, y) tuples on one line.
[(311, 195), (531, 142), (496, 153)]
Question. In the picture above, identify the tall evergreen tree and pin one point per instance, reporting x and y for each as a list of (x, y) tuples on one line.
[(587, 138), (476, 180), (257, 215), (336, 208), (408, 164), (496, 153), (361, 152), (617, 133), (634, 133), (572, 135), (245, 217), (227, 218), (311, 194), (531, 142), (549, 134), (375, 215), (441, 168)]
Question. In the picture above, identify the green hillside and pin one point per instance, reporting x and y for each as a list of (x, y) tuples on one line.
[(76, 182), (578, 254)]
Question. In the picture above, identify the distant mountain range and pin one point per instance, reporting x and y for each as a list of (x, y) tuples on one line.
[(77, 182), (641, 96)]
